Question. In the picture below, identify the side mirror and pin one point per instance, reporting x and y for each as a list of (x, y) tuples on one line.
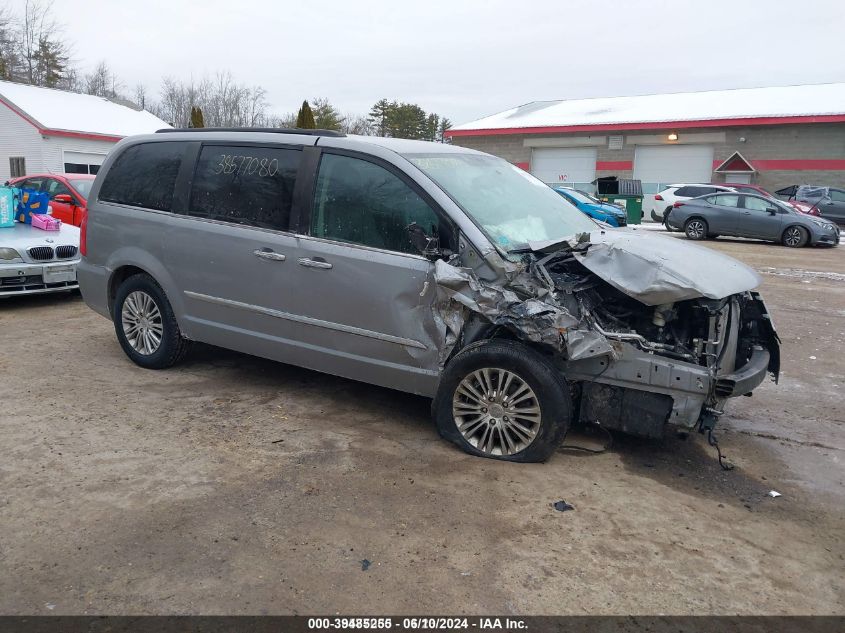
[(772, 210), (64, 198), (427, 245)]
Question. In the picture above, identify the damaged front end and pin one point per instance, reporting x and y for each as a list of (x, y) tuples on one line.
[(648, 332)]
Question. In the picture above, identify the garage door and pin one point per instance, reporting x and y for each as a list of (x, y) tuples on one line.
[(82, 162), (667, 165), (571, 166)]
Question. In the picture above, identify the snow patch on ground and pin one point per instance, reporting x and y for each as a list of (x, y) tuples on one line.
[(799, 273)]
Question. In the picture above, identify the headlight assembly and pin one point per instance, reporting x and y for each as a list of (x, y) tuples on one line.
[(9, 254)]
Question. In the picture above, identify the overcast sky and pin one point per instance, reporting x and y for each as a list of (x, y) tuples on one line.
[(463, 59)]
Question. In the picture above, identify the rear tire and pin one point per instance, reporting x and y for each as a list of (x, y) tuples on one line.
[(696, 228), (666, 220), (795, 237), (145, 325), (503, 400)]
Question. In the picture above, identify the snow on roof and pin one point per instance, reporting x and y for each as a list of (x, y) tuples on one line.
[(52, 109), (713, 105)]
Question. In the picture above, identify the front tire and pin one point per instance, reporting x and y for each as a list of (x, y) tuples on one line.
[(503, 400), (795, 237), (145, 325), (696, 229)]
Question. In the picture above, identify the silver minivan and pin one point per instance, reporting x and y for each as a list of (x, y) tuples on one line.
[(423, 267)]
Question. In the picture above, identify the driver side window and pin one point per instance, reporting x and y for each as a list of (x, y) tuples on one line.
[(756, 204), (54, 188), (359, 202)]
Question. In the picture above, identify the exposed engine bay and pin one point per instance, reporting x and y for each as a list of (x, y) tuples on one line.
[(635, 365)]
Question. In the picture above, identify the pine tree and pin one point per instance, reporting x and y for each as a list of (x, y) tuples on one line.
[(432, 123), (196, 117), (305, 117), (445, 124), (326, 116), (380, 115), (50, 63)]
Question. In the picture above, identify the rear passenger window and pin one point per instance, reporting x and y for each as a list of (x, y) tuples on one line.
[(144, 175), (245, 185), (684, 192), (360, 202), (726, 200)]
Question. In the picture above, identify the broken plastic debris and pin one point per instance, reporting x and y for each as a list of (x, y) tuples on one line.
[(365, 565), (774, 494), (812, 358), (562, 506), (50, 606)]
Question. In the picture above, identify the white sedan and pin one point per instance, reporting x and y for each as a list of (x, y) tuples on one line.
[(33, 261)]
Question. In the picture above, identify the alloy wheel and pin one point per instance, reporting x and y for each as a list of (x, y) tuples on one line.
[(793, 236), (142, 322), (496, 411), (695, 229)]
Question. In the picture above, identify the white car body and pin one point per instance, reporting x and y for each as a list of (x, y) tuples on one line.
[(33, 261), (669, 197)]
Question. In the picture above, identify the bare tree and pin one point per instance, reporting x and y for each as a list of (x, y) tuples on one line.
[(357, 124), (44, 55), (139, 96), (102, 82), (9, 57), (224, 102)]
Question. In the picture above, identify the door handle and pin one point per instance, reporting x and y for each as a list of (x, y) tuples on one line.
[(276, 257), (314, 263)]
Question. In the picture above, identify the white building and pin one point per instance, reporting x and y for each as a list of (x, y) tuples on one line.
[(43, 130)]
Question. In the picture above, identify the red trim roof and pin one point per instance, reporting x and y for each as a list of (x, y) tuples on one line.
[(65, 133), (656, 125)]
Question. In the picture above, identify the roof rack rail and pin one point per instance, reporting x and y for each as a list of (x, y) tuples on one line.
[(272, 130)]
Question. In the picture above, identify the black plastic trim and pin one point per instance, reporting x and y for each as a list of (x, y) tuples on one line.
[(263, 130)]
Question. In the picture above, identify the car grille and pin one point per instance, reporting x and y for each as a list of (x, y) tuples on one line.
[(64, 252), (41, 253)]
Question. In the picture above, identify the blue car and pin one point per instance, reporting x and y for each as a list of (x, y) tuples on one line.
[(595, 208)]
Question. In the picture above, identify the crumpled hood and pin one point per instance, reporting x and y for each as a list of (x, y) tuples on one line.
[(659, 269)]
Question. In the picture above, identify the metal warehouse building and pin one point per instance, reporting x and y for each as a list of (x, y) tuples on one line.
[(43, 130), (772, 137)]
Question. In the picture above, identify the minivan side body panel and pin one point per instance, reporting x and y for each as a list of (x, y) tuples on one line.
[(246, 288)]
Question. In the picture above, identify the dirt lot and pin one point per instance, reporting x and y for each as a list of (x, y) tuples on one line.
[(236, 485)]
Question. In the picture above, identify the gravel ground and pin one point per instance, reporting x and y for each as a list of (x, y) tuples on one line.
[(234, 485)]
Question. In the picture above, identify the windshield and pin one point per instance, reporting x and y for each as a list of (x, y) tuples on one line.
[(82, 186), (511, 206)]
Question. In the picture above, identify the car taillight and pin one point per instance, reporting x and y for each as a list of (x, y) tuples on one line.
[(677, 204), (658, 197), (83, 233)]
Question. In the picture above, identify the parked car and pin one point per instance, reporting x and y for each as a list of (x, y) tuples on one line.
[(68, 193), (33, 261), (829, 201), (593, 207), (802, 207), (664, 200), (750, 215), (429, 268)]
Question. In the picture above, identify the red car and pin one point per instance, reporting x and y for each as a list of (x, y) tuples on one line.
[(68, 193), (801, 207)]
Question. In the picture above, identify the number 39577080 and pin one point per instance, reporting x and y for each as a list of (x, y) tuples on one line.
[(251, 165)]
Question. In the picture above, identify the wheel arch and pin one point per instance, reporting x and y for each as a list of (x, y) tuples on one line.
[(130, 261), (800, 226)]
